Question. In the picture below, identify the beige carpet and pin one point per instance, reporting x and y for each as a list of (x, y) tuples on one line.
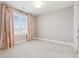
[(38, 49)]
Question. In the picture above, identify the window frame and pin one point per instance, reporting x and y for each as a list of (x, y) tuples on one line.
[(22, 15)]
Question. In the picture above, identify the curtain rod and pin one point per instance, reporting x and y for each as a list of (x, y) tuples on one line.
[(20, 11), (16, 9)]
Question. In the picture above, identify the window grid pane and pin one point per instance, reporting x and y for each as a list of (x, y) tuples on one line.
[(20, 24)]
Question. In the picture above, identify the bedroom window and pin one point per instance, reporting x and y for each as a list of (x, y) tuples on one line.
[(20, 26)]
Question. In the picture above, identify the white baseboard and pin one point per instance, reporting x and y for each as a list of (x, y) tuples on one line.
[(54, 41)]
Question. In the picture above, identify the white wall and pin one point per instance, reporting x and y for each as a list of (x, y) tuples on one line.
[(57, 25), (34, 26), (78, 29), (78, 19)]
